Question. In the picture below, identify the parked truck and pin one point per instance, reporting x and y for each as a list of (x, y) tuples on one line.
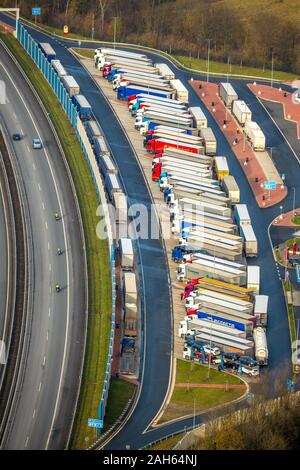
[(261, 309), (119, 200), (154, 145), (204, 267), (107, 165), (261, 347), (58, 67), (130, 319), (149, 125), (227, 94), (83, 107), (230, 186), (100, 147), (241, 215), (182, 93), (199, 117), (245, 326), (209, 141), (165, 70), (221, 167), (253, 278), (130, 287), (125, 91), (225, 288), (250, 241), (126, 253), (159, 99), (48, 51), (70, 85), (255, 135), (93, 131), (192, 324), (241, 111), (112, 184)]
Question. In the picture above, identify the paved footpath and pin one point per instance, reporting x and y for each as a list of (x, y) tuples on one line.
[(257, 166), (291, 109), (226, 386), (285, 220)]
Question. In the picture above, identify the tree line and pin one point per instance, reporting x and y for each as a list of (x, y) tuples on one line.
[(182, 27)]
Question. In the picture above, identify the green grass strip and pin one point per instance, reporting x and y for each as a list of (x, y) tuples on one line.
[(99, 279)]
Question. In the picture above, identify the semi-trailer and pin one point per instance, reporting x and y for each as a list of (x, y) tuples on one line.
[(146, 96), (203, 256), (130, 287), (185, 155), (110, 62), (192, 163), (119, 200), (227, 336), (190, 139), (199, 117), (125, 91), (253, 278), (165, 70), (100, 147), (261, 309), (196, 210), (246, 304), (212, 208), (229, 238), (195, 199), (201, 267), (58, 67), (221, 167), (213, 247), (223, 287), (70, 85), (170, 117), (241, 215), (163, 110), (130, 319), (255, 135), (126, 253), (115, 75), (160, 169), (250, 241), (240, 324), (106, 165), (112, 184), (182, 93), (261, 347), (227, 94), (149, 125), (131, 80), (93, 131), (241, 111), (48, 51), (154, 145), (230, 186), (227, 344), (218, 303), (192, 323), (119, 52), (209, 141), (146, 104), (83, 107), (183, 225)]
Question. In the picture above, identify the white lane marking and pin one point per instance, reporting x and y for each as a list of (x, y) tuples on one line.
[(39, 186), (34, 167), (49, 311), (14, 114), (48, 246), (44, 361), (26, 442), (50, 267), (67, 258), (43, 206), (28, 149), (46, 225), (33, 415), (47, 336)]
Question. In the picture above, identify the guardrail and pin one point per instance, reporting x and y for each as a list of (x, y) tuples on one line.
[(50, 74)]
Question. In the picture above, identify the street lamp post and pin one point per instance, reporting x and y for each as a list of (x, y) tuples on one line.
[(115, 30), (272, 70), (208, 52), (294, 199)]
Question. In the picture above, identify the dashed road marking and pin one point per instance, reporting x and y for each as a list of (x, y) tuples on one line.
[(49, 311), (44, 361), (39, 186), (46, 225), (43, 206), (50, 267), (40, 386), (33, 415), (26, 442)]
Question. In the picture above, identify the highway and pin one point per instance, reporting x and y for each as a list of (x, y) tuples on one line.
[(44, 410), (156, 373), (3, 262)]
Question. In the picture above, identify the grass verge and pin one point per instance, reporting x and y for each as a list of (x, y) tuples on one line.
[(184, 400), (167, 444), (99, 321), (287, 287), (120, 391), (296, 219), (221, 67)]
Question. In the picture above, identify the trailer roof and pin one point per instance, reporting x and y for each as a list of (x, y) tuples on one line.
[(93, 125), (261, 304), (114, 180), (221, 163), (242, 211), (205, 323), (253, 274), (108, 162), (233, 264), (70, 81), (126, 246), (47, 48), (130, 282), (158, 98), (178, 85), (228, 88), (248, 233), (231, 183), (101, 144), (197, 112), (82, 101), (242, 106), (207, 133), (222, 342)]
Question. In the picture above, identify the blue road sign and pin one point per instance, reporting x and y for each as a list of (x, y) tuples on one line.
[(36, 11), (95, 423), (298, 272), (270, 185)]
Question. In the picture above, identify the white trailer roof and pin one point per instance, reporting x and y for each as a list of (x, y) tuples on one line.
[(221, 163), (108, 163), (107, 50), (47, 48), (56, 64), (207, 134), (178, 85), (113, 180), (253, 274), (82, 101), (130, 282), (229, 298), (222, 341), (70, 81), (158, 98), (164, 115), (218, 266), (242, 106), (164, 69), (93, 126), (126, 246), (228, 88), (233, 264), (251, 125), (203, 323), (197, 112), (248, 233), (230, 183), (221, 303), (100, 144), (242, 211), (261, 304), (227, 335)]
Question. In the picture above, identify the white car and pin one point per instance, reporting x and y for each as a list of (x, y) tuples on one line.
[(211, 350), (36, 144)]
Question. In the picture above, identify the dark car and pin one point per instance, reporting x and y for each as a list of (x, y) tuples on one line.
[(17, 136)]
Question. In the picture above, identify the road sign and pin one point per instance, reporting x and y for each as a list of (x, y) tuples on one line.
[(66, 29), (95, 423), (36, 11), (270, 185), (283, 176)]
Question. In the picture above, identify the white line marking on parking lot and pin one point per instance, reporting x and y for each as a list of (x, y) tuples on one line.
[(49, 312), (26, 442), (39, 186), (44, 361), (40, 386), (49, 267), (48, 246), (46, 225), (33, 414), (47, 336)]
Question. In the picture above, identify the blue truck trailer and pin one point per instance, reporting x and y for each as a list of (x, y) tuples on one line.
[(227, 320), (83, 107), (125, 91), (48, 51)]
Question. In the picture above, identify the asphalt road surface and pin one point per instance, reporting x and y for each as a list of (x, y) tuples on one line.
[(47, 396), (3, 264), (156, 361)]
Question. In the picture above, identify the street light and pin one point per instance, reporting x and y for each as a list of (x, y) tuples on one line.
[(294, 198), (272, 70), (115, 30), (208, 52)]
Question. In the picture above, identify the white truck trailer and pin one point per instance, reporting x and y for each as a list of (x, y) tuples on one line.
[(130, 287), (253, 278), (261, 347), (59, 68), (182, 93), (261, 309), (200, 119), (227, 94), (255, 135), (93, 131), (209, 141), (250, 241), (106, 165), (241, 215), (70, 85), (216, 270), (119, 200), (230, 186), (165, 70), (126, 253), (100, 147), (192, 324), (241, 111)]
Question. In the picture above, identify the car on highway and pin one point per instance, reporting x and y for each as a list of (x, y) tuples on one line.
[(211, 350), (36, 144), (17, 136)]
